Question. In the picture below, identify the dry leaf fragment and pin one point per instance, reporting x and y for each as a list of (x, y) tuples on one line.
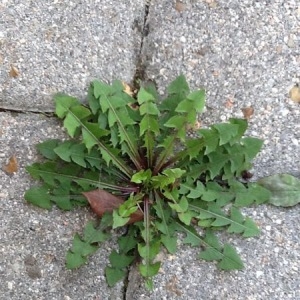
[(12, 165), (248, 112), (229, 103), (179, 6), (295, 94), (127, 89), (172, 286), (14, 72), (211, 3), (102, 202)]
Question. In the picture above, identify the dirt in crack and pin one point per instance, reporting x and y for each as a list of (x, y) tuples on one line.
[(140, 71)]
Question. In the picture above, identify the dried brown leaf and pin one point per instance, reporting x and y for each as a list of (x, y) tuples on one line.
[(102, 202), (127, 88), (295, 94), (248, 112), (14, 72), (179, 6), (229, 103), (12, 166)]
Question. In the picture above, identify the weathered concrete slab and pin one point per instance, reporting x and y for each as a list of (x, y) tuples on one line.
[(271, 265), (244, 54), (62, 45), (33, 241)]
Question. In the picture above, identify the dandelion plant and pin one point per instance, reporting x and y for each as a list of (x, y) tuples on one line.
[(141, 163)]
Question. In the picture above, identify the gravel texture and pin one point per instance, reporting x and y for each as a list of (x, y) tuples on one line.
[(244, 53), (60, 46)]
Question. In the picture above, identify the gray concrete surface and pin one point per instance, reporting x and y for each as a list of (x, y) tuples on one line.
[(63, 45), (33, 241), (245, 53)]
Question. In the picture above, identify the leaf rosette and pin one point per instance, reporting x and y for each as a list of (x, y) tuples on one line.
[(135, 161)]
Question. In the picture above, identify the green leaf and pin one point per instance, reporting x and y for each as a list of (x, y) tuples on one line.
[(76, 119), (47, 148), (39, 196), (68, 151), (180, 206), (113, 275), (92, 235), (226, 132), (170, 242), (116, 106), (149, 270), (192, 237), (179, 85), (63, 103), (186, 217), (213, 248), (128, 242), (231, 259), (149, 252), (211, 139), (144, 96), (74, 260), (81, 247), (149, 108), (227, 257), (284, 189), (119, 260), (251, 146), (62, 201), (240, 225), (141, 176), (119, 221), (245, 196)]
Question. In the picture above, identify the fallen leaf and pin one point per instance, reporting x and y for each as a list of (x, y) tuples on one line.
[(12, 165), (102, 202), (179, 6), (248, 112), (14, 72), (216, 73), (211, 3), (172, 286), (229, 103), (194, 127), (127, 89), (284, 188), (295, 94)]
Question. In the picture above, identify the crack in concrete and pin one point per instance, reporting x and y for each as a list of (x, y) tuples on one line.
[(133, 278), (139, 74)]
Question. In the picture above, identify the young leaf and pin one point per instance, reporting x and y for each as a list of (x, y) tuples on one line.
[(149, 126), (119, 221), (116, 106), (76, 116), (164, 213)]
